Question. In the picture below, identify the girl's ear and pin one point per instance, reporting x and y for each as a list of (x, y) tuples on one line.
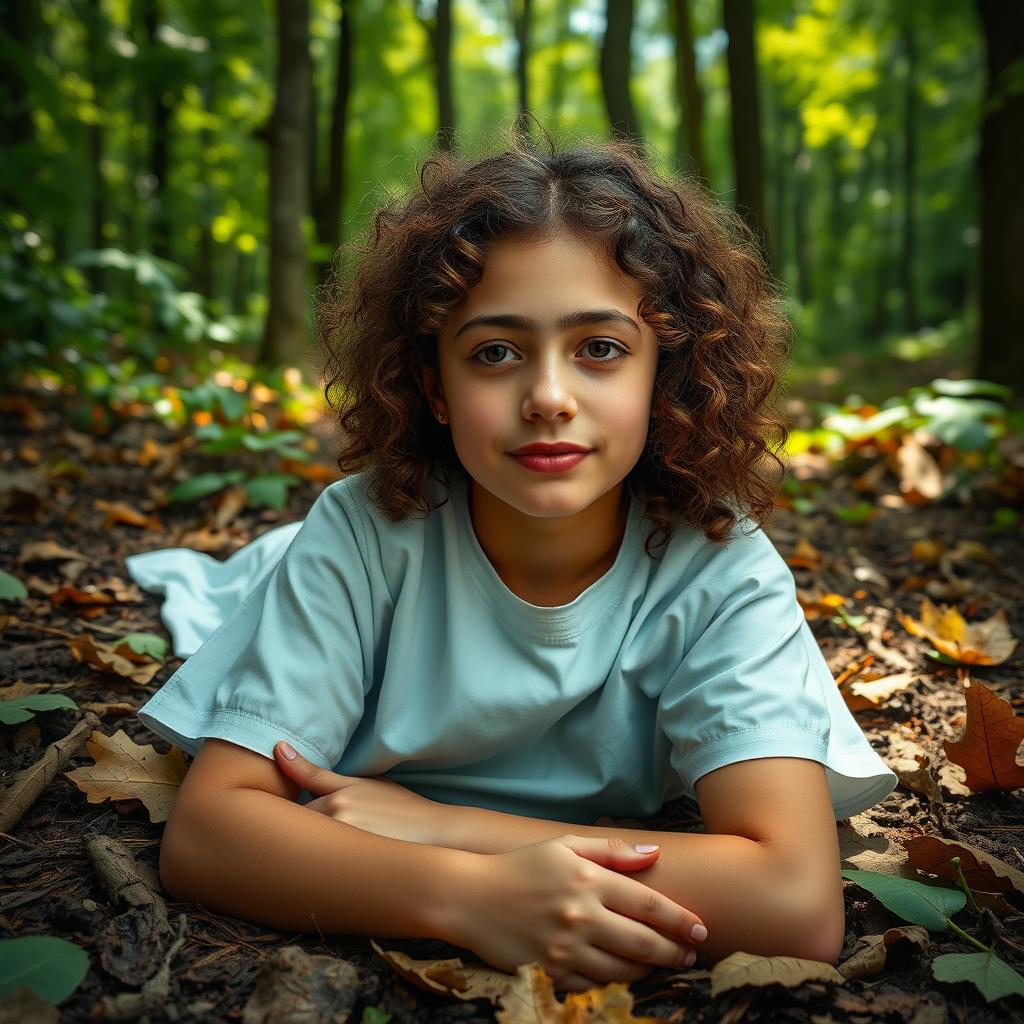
[(432, 388)]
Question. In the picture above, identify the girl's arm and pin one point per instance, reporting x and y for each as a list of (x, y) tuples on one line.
[(259, 856)]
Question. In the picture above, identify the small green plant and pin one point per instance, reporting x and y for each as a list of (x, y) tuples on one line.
[(932, 907)]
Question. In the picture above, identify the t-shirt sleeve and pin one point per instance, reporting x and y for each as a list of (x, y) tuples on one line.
[(751, 680), (288, 662)]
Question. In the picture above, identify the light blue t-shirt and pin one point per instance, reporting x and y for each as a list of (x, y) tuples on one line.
[(395, 649)]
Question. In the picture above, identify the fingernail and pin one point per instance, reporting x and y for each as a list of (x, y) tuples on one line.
[(699, 933), (287, 751), (691, 959), (645, 848)]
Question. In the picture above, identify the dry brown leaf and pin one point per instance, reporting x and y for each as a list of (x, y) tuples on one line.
[(230, 505), (865, 846), (526, 996), (988, 746), (981, 871), (88, 600), (868, 956), (106, 659), (742, 968), (124, 770), (919, 473), (980, 643), (805, 555), (872, 691), (47, 551), (121, 512), (532, 1000)]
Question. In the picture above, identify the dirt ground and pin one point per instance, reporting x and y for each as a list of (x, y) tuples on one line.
[(52, 875)]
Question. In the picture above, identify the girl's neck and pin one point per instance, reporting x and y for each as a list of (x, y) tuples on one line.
[(549, 561)]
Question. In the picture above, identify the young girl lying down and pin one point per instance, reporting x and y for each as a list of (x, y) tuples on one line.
[(541, 596)]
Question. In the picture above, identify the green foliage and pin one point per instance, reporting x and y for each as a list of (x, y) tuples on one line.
[(11, 588), (146, 643), (20, 709), (50, 966), (932, 906)]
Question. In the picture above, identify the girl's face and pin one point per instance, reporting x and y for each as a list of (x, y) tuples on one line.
[(515, 370)]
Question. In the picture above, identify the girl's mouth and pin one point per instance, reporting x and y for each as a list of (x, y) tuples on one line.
[(551, 463)]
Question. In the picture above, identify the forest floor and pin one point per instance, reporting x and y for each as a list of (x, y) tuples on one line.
[(88, 871)]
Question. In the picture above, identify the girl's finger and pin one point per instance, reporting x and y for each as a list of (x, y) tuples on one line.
[(316, 780)]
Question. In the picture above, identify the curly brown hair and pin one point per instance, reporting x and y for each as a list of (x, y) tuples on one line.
[(707, 295)]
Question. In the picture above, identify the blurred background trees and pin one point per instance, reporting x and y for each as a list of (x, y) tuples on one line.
[(177, 175)]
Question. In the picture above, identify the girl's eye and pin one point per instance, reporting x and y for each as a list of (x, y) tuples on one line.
[(596, 341)]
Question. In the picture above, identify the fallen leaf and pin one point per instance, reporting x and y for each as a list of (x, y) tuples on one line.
[(981, 870), (121, 512), (106, 659), (124, 770), (49, 551), (920, 476), (981, 643), (987, 748), (869, 955), (532, 1000), (741, 968)]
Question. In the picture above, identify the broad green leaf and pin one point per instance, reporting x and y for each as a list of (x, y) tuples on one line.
[(19, 709), (854, 428), (967, 388), (11, 588), (49, 965), (926, 905), (205, 483), (270, 490), (994, 978), (146, 643)]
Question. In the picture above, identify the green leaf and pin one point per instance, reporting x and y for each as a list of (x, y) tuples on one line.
[(270, 490), (231, 439), (49, 965), (205, 483), (19, 709), (854, 513), (994, 978), (372, 1015), (274, 439), (926, 905), (11, 588), (967, 388), (146, 643)]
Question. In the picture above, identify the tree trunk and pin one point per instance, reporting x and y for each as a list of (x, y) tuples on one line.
[(95, 25), (202, 273), (521, 17), (327, 209), (439, 38), (746, 121), (690, 130), (616, 68), (160, 117), (908, 254), (558, 76), (285, 333), (801, 178), (1001, 352)]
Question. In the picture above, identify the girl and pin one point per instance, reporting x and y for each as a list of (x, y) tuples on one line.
[(537, 352)]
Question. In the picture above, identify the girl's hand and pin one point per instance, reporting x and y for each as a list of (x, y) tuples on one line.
[(375, 805), (565, 904)]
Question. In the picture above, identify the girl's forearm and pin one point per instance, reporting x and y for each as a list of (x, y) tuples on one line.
[(262, 858), (747, 898)]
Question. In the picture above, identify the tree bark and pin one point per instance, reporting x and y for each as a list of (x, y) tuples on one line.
[(746, 120), (285, 333), (616, 69), (1001, 351), (521, 12), (690, 130), (327, 208)]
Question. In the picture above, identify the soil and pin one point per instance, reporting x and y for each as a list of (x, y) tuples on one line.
[(51, 878)]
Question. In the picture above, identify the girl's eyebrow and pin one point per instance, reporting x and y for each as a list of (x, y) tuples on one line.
[(579, 318)]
